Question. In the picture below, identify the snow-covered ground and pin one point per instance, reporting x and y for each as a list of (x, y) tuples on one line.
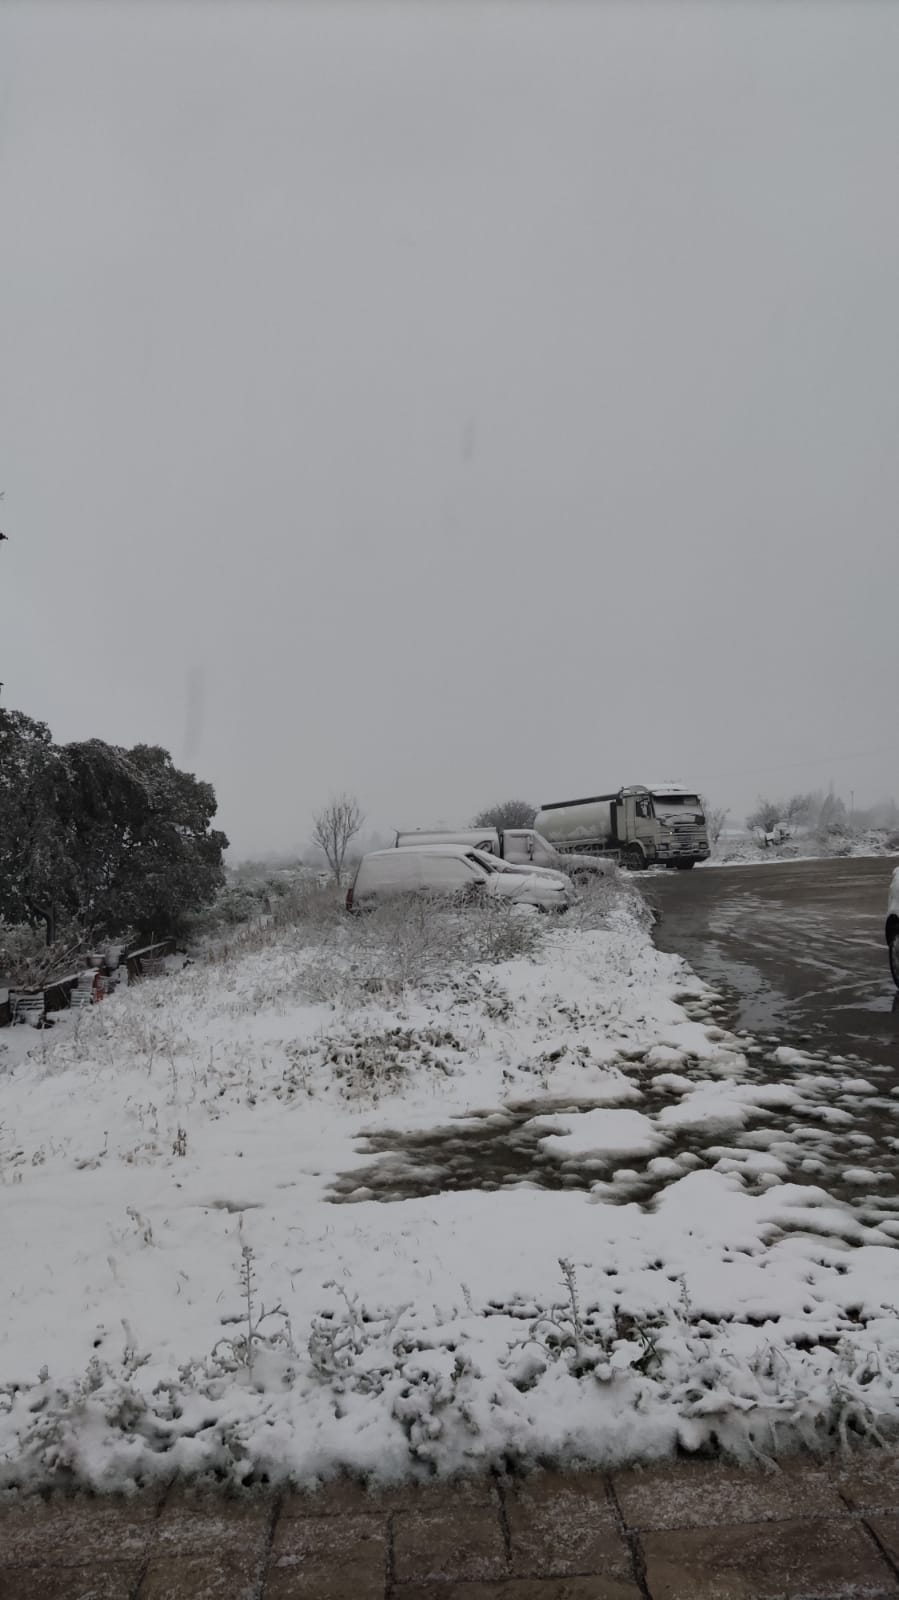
[(745, 850), (276, 1215)]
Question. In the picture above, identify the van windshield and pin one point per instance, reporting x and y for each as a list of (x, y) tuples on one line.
[(486, 862)]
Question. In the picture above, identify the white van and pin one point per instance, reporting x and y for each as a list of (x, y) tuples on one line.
[(452, 871), (494, 863)]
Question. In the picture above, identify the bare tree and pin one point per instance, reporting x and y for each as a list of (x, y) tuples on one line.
[(715, 818), (334, 826), (506, 814), (765, 815)]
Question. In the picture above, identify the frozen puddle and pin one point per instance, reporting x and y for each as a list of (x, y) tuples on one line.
[(795, 1120)]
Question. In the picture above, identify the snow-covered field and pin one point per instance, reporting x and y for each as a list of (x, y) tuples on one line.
[(314, 1206)]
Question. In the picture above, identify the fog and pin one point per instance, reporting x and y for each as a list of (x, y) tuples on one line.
[(449, 402)]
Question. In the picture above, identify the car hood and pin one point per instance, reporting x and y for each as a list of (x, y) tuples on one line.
[(518, 886), (554, 874)]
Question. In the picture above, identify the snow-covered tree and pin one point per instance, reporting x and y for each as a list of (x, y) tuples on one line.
[(506, 814), (111, 839)]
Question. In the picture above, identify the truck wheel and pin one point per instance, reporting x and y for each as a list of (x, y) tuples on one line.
[(894, 957), (634, 858)]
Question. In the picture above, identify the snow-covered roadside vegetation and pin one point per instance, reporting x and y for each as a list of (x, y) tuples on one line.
[(424, 1191), (804, 827)]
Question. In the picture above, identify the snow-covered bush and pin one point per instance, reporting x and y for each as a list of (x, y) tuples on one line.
[(404, 944), (817, 824), (604, 896), (411, 944), (28, 962)]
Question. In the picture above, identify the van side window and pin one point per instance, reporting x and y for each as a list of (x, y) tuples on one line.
[(445, 872), (384, 871)]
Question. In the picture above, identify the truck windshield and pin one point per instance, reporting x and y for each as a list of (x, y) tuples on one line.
[(678, 805)]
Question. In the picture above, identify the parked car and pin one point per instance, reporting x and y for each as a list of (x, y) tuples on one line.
[(892, 927), (454, 872)]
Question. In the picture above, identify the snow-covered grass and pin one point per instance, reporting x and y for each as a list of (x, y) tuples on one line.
[(419, 1193)]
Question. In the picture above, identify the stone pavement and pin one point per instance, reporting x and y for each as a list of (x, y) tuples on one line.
[(694, 1531)]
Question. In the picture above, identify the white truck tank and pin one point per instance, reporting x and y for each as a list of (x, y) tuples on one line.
[(581, 824)]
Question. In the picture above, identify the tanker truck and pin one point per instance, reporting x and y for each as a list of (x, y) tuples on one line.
[(638, 826)]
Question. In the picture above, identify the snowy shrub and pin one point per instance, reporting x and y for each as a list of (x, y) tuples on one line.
[(29, 962), (341, 1344), (604, 898), (305, 910), (410, 944), (364, 1063)]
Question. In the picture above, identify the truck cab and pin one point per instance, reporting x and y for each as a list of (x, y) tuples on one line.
[(682, 836)]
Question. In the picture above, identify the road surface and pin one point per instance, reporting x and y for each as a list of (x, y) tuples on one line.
[(798, 949)]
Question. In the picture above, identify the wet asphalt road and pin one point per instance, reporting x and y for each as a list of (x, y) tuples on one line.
[(797, 948)]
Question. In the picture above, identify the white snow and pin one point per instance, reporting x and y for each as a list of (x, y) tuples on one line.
[(438, 1278), (599, 1133)]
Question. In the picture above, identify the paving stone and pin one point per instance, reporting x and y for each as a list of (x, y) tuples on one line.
[(590, 1588), (765, 1561), (200, 1522), (69, 1531), (457, 1542), (227, 1576), (114, 1581), (344, 1495), (705, 1494), (563, 1524), (328, 1558), (873, 1484)]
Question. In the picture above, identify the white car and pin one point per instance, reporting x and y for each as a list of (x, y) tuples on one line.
[(892, 927), (493, 863), (452, 871)]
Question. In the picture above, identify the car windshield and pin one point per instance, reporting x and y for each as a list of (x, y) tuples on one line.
[(489, 863)]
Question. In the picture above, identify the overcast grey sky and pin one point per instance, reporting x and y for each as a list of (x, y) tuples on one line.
[(448, 401)]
